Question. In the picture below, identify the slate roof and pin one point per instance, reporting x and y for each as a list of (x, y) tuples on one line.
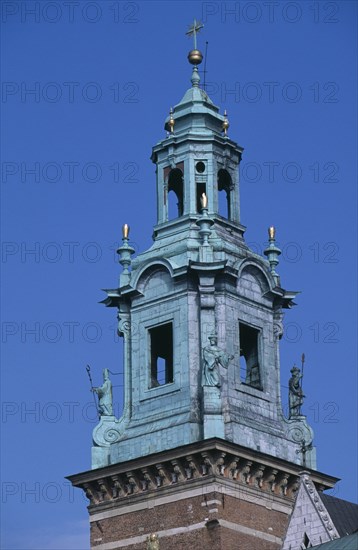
[(345, 543), (344, 514)]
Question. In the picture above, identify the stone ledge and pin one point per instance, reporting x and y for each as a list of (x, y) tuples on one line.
[(213, 459)]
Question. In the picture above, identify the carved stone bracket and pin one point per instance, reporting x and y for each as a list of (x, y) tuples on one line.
[(103, 491), (191, 468), (283, 482), (301, 433), (278, 325), (259, 474), (270, 479), (206, 464), (245, 472), (178, 472), (124, 325), (108, 431), (220, 465), (117, 487), (90, 493), (162, 478)]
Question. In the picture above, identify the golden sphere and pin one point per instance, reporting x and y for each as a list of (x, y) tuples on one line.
[(195, 57)]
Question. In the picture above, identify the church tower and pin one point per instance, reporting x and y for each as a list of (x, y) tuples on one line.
[(202, 453)]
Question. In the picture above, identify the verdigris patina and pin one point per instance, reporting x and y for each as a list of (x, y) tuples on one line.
[(105, 398), (213, 356)]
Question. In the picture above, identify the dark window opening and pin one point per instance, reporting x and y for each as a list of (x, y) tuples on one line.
[(224, 189), (200, 167), (249, 356), (161, 355), (200, 189), (175, 187), (306, 542)]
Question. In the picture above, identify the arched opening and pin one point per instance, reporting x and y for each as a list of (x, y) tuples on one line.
[(200, 189), (224, 188), (249, 356), (175, 194), (161, 355)]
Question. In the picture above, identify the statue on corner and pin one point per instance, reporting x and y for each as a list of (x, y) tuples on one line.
[(213, 357), (295, 394), (105, 398)]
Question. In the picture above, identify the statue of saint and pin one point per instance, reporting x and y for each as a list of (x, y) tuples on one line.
[(104, 393), (295, 394), (153, 542), (213, 357)]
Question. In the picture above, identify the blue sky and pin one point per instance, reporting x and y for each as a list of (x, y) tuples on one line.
[(75, 167)]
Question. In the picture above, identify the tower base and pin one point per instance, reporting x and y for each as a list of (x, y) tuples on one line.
[(207, 493)]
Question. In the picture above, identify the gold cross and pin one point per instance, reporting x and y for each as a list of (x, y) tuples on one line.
[(194, 29)]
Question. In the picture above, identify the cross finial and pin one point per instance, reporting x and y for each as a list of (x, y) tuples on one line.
[(194, 29)]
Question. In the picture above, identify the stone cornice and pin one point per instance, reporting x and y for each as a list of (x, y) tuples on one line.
[(211, 458), (189, 136)]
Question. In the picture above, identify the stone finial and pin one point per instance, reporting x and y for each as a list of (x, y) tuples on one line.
[(204, 222), (225, 124), (171, 121), (125, 252), (272, 253), (195, 78)]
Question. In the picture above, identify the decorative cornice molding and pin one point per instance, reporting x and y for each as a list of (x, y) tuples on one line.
[(212, 459)]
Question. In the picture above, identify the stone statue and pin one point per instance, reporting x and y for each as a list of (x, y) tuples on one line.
[(104, 393), (213, 357), (295, 394), (153, 542)]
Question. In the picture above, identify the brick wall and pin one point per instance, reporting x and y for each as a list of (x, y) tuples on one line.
[(214, 519)]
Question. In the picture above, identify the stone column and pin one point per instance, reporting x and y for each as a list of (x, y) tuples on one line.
[(213, 420)]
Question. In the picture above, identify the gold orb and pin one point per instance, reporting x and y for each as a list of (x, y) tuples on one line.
[(195, 57)]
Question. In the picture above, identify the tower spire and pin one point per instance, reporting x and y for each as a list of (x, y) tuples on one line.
[(195, 56), (199, 277), (193, 31)]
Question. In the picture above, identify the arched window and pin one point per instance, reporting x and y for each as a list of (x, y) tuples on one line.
[(161, 355), (175, 194), (224, 188), (249, 356)]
